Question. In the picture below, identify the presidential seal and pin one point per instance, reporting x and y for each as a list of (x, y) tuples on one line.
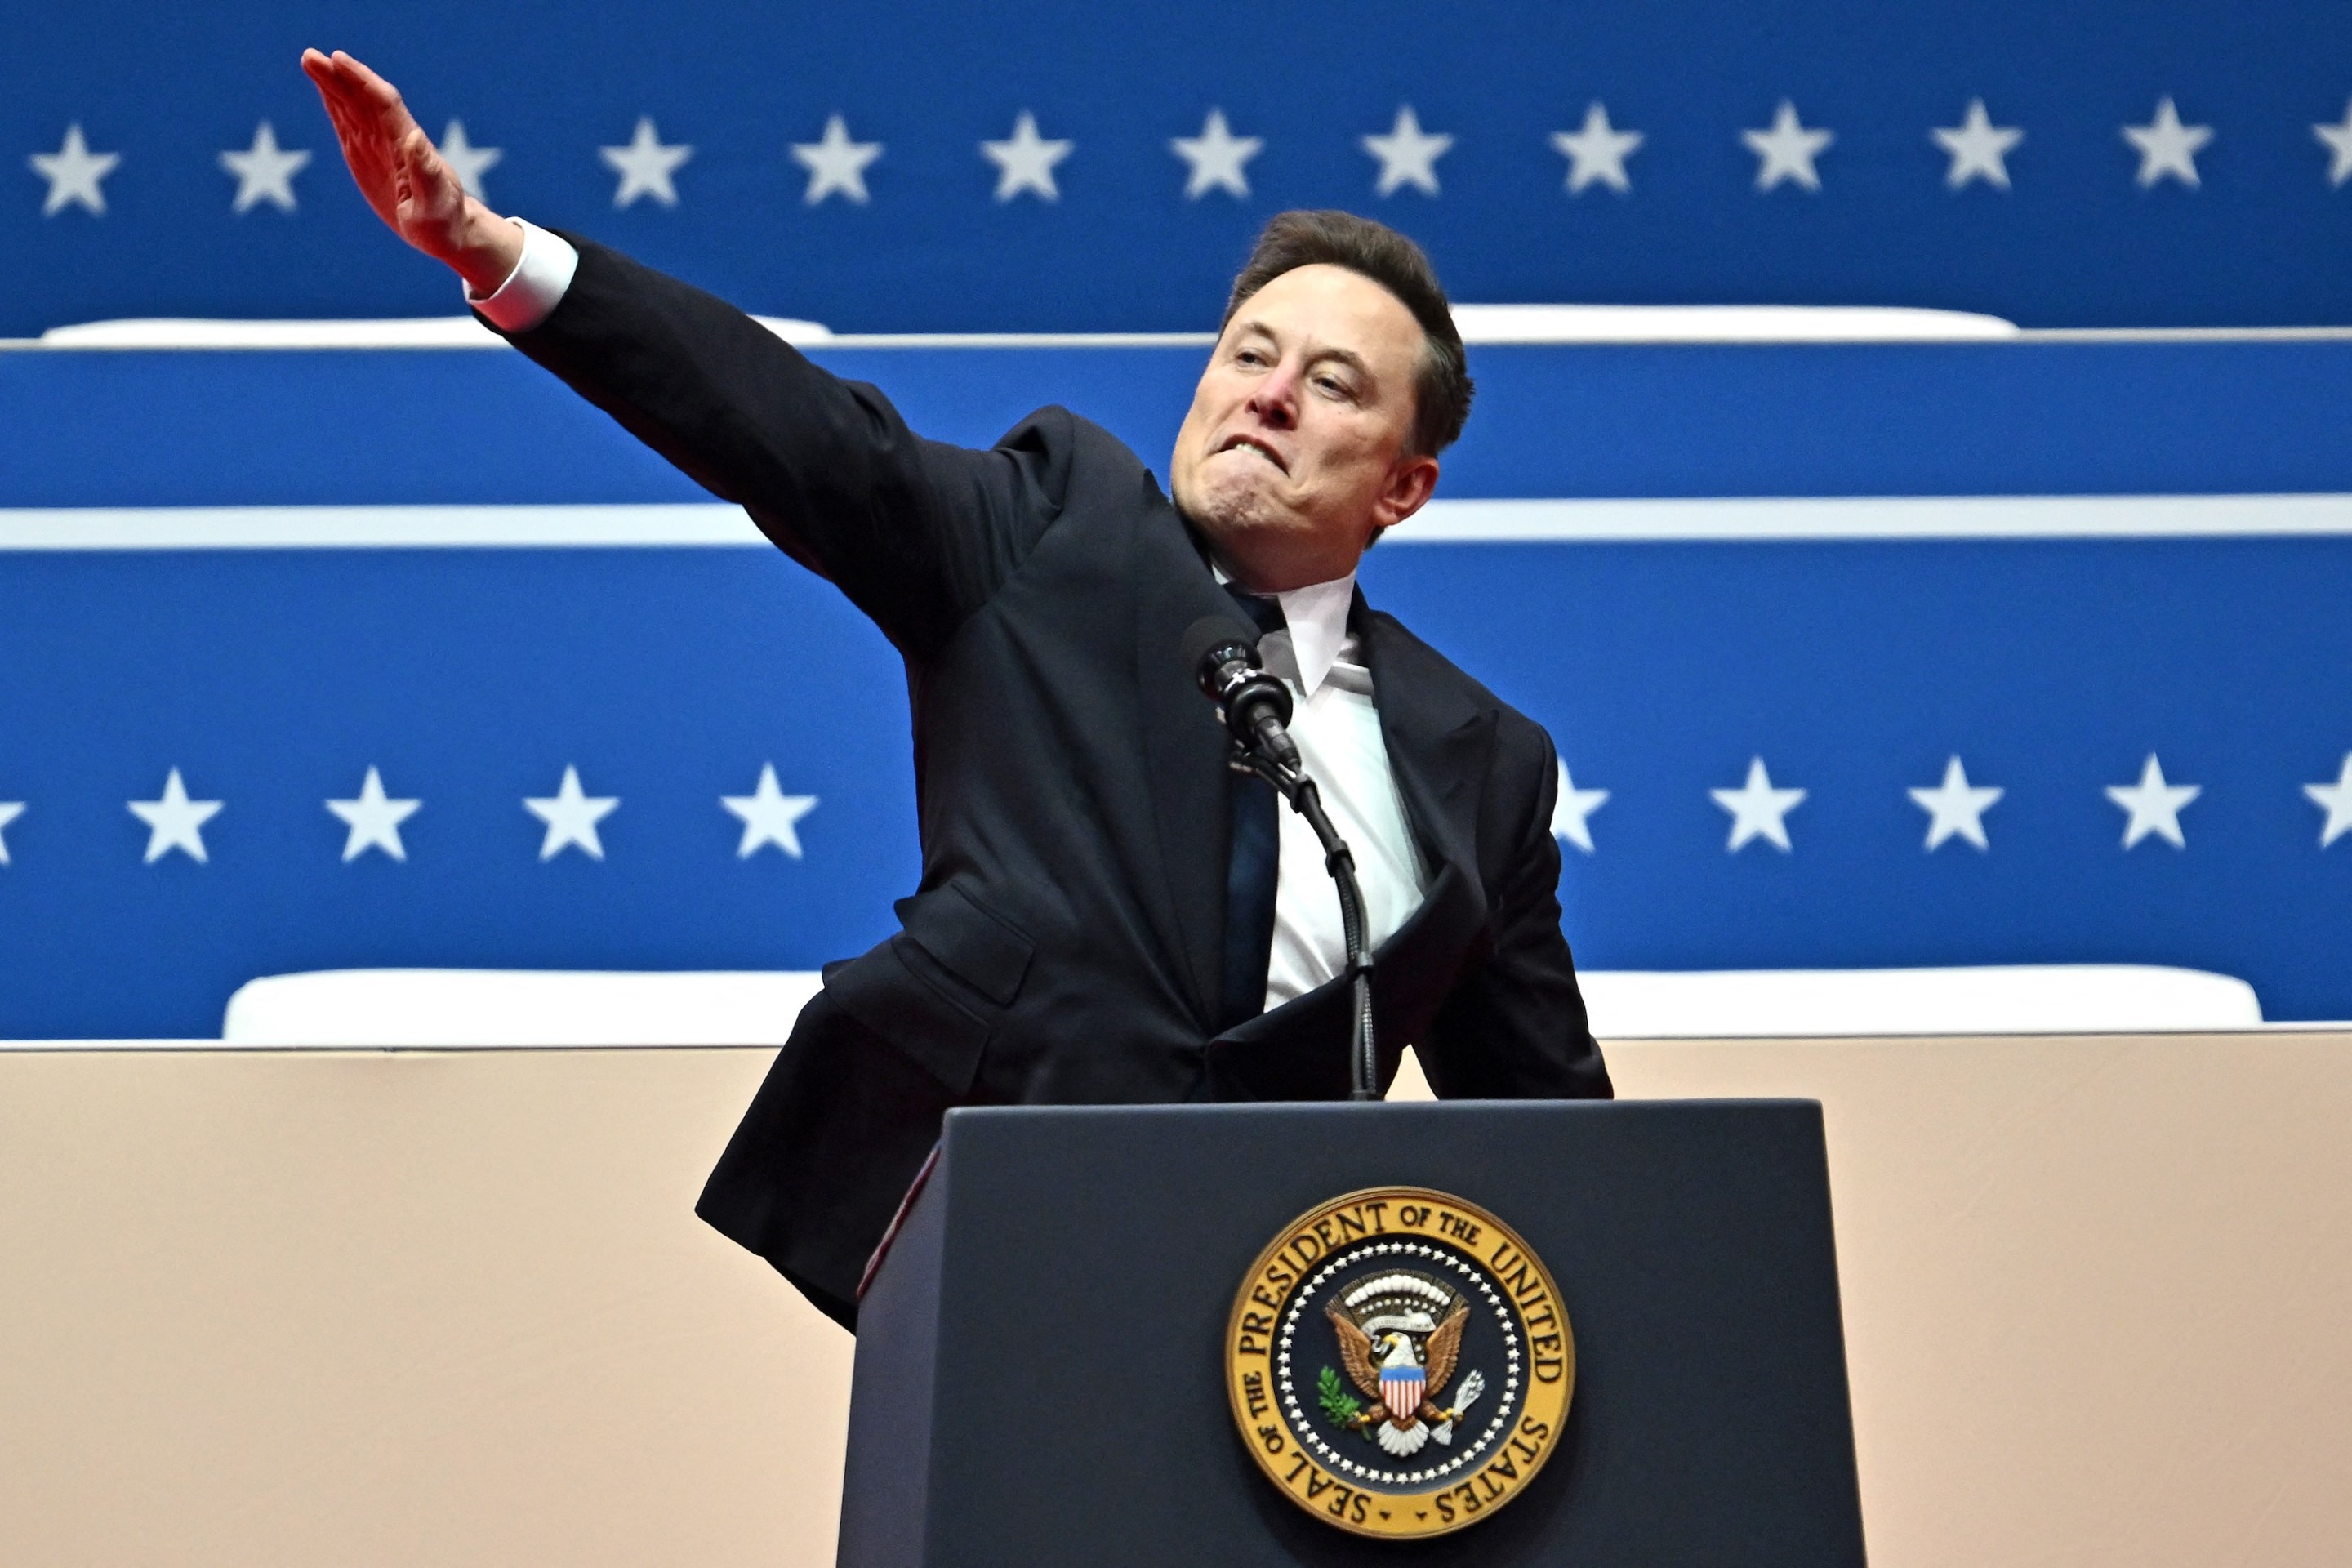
[(1400, 1363)]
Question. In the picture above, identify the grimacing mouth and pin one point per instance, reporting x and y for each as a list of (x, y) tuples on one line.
[(1255, 445)]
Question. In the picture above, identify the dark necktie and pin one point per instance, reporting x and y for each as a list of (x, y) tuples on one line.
[(1254, 868)]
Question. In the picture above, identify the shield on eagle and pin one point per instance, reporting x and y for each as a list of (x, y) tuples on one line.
[(1400, 1386)]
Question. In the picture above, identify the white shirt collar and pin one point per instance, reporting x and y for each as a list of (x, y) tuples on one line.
[(1316, 616)]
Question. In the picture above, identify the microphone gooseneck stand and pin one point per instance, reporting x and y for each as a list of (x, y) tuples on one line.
[(1294, 786)]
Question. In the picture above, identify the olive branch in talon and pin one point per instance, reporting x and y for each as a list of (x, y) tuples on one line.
[(1339, 1406)]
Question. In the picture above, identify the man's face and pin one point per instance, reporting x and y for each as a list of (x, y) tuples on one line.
[(1295, 449)]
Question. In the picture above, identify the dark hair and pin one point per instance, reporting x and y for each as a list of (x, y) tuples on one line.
[(1294, 239)]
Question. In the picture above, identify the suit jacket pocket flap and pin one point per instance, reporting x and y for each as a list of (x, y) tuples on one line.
[(969, 942), (887, 992)]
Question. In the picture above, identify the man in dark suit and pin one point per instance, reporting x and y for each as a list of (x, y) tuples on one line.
[(1107, 913)]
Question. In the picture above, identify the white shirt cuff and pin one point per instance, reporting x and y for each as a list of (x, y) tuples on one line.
[(535, 287)]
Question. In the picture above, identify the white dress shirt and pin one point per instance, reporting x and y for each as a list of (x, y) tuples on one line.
[(1334, 721), (1337, 731)]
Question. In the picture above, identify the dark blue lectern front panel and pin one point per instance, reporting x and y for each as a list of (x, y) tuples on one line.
[(1039, 1374)]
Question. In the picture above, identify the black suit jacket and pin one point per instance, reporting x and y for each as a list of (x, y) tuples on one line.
[(1065, 942)]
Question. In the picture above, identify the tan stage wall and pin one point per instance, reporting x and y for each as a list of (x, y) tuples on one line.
[(453, 1308)]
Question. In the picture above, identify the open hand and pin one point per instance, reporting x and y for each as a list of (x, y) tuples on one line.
[(409, 184)]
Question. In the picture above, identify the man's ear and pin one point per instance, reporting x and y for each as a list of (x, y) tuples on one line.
[(1409, 487)]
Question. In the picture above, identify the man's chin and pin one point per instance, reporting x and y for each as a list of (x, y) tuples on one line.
[(1228, 505)]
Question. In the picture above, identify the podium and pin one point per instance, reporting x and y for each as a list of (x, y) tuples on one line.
[(1043, 1353)]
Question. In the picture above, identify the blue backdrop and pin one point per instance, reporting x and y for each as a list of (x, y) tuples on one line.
[(668, 677), (2075, 238)]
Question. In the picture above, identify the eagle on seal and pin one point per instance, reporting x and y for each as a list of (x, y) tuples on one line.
[(1399, 1380)]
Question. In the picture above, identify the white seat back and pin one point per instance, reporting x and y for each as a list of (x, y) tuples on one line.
[(518, 1007), (455, 1008), (2006, 999)]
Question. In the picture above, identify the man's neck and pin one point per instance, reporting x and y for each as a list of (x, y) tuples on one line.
[(1284, 576), (1269, 571)]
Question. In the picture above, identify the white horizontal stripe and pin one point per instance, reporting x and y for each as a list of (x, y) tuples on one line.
[(231, 1047), (1875, 518), (465, 332), (1478, 324), (1722, 324), (364, 527), (1721, 520), (172, 332), (2183, 334), (390, 333), (1017, 341), (326, 1047)]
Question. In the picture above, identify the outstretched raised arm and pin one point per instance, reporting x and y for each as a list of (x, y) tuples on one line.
[(408, 183), (919, 534)]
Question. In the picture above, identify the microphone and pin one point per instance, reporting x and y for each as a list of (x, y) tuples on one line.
[(1254, 705)]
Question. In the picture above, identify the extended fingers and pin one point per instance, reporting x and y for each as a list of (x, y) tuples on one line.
[(369, 87), (431, 185), (330, 101), (367, 141), (361, 135), (334, 92), (363, 97)]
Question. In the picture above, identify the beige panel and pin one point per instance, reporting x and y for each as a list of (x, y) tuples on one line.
[(453, 1309), (2097, 1288), (420, 1309)]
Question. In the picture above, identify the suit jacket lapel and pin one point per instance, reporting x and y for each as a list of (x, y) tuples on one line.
[(1184, 749), (1438, 741)]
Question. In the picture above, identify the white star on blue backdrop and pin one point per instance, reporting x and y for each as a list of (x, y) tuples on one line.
[(175, 821), (265, 172), (835, 164), (2337, 140), (2167, 149), (1025, 162), (1979, 149), (1758, 809), (1786, 150), (769, 816), (1216, 156), (2152, 806), (1572, 810), (572, 816), (1597, 152), (2336, 800), (374, 819), (646, 166), (1408, 157), (1955, 808), (73, 172)]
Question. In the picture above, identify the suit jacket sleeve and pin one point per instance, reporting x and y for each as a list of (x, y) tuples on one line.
[(1516, 1028), (917, 534)]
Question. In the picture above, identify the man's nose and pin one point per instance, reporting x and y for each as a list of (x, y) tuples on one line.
[(1275, 399)]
